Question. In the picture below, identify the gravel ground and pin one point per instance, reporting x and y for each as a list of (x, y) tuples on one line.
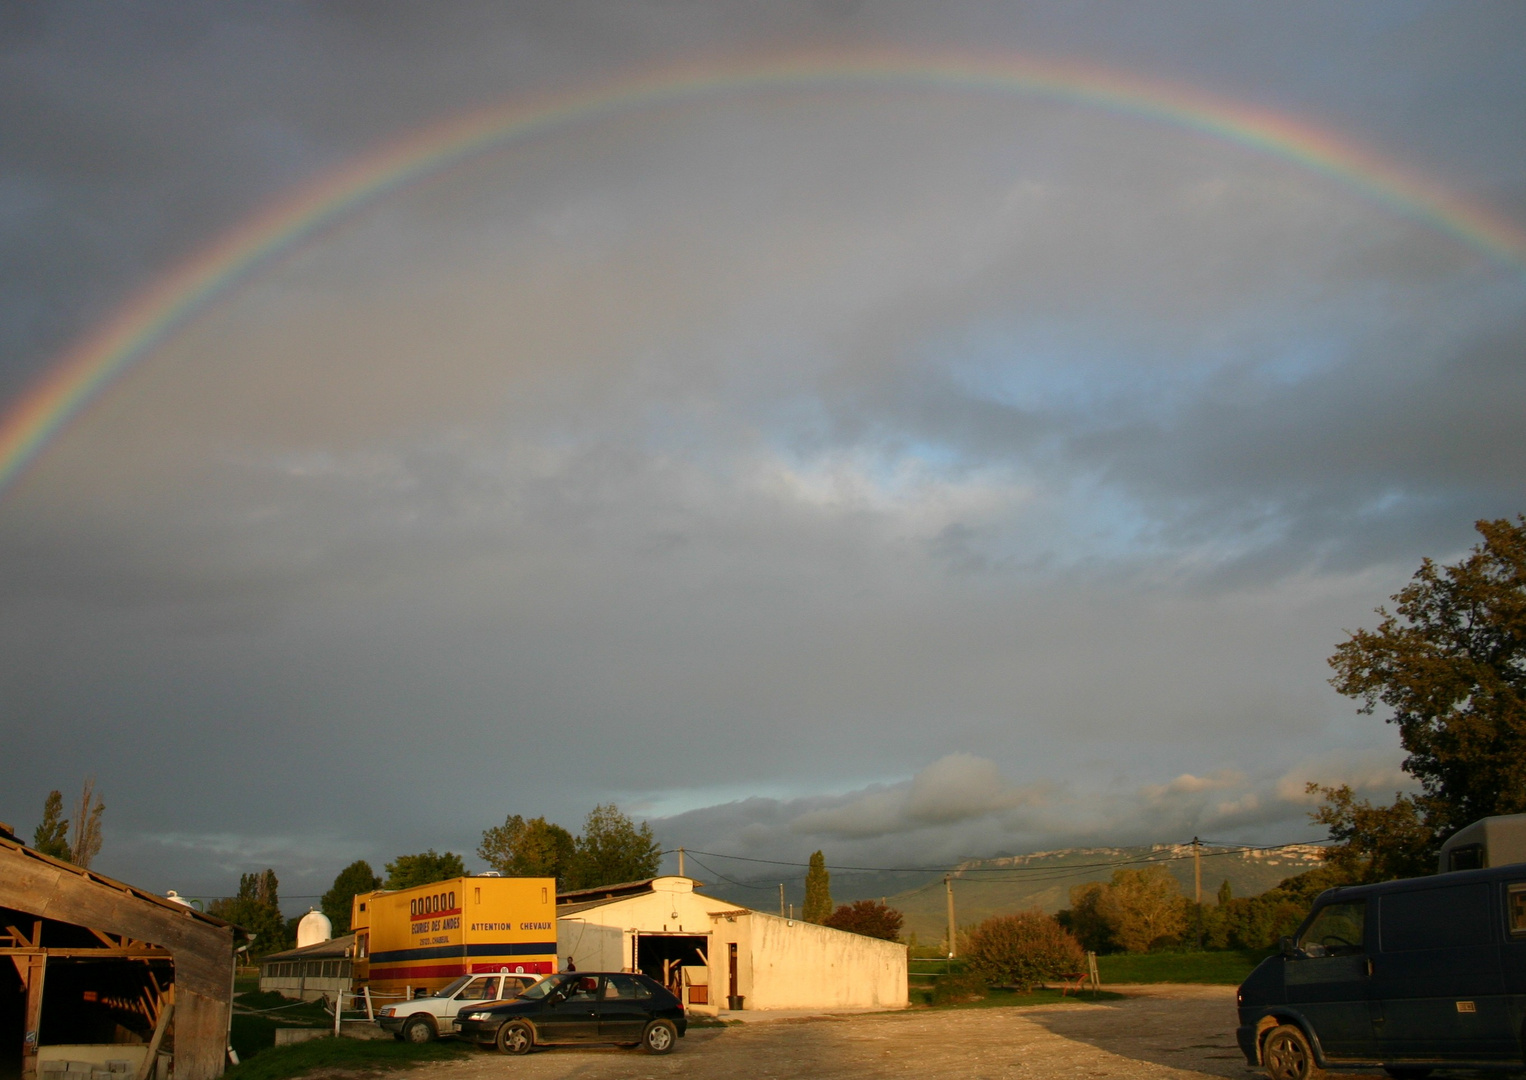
[(1159, 1031)]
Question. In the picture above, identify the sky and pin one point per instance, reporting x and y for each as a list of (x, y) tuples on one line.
[(913, 432)]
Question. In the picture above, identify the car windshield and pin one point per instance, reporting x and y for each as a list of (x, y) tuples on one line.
[(539, 990), (451, 988)]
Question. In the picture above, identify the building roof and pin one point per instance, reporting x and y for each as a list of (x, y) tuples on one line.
[(334, 948), (569, 903), (9, 843)]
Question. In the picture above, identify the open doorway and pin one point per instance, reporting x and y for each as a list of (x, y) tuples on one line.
[(662, 956)]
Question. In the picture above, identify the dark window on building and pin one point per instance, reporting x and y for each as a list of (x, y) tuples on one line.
[(1447, 918), (1466, 857)]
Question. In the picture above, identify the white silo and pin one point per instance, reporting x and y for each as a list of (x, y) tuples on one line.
[(314, 928)]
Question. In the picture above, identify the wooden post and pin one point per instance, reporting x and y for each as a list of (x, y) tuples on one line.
[(948, 883), (167, 1010), (1197, 887), (680, 862), (370, 1014), (33, 969)]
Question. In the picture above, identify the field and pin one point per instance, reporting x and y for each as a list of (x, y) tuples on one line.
[(1224, 968)]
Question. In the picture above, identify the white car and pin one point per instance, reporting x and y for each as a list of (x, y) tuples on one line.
[(430, 1017)]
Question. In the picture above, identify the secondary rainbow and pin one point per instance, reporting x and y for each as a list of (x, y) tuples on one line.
[(150, 317)]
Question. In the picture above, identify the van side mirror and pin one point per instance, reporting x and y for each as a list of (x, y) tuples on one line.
[(1286, 946)]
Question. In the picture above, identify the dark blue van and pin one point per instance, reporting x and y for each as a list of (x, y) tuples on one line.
[(1405, 975)]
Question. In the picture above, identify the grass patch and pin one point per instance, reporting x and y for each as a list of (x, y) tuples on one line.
[(255, 1033), (1006, 999), (350, 1055), (1228, 968)]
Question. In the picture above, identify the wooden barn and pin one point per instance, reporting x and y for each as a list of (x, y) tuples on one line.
[(99, 979)]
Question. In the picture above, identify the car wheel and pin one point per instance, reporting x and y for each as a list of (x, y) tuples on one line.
[(659, 1037), (417, 1030), (515, 1037), (1287, 1055), (1407, 1072)]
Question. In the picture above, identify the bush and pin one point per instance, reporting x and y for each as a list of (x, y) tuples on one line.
[(1021, 950), (958, 987)]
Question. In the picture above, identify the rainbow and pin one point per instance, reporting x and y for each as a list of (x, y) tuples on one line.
[(149, 318)]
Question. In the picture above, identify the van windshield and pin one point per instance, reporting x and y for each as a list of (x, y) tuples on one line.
[(1336, 930)]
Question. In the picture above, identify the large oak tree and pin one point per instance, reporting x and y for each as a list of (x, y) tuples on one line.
[(1449, 663)]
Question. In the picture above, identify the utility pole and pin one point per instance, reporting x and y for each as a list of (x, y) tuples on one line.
[(948, 884), (680, 862), (1197, 887), (781, 899)]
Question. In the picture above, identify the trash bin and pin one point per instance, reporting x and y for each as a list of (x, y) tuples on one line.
[(734, 1001)]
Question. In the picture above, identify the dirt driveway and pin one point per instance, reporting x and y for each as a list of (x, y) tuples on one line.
[(1159, 1031)]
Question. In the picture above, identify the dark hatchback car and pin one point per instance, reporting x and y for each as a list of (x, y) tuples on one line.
[(577, 1007), (1405, 975)]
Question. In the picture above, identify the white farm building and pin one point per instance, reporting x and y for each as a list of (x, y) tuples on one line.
[(722, 956)]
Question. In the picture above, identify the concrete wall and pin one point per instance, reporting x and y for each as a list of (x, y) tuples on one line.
[(798, 965), (592, 946)]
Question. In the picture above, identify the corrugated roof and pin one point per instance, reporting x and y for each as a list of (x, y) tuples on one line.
[(335, 947)]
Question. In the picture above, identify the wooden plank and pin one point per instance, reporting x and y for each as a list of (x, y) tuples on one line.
[(146, 1069), (150, 953), (35, 976), (201, 1037)]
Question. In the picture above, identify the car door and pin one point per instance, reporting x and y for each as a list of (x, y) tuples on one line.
[(572, 1015), (1437, 982), (1327, 980), (623, 1011)]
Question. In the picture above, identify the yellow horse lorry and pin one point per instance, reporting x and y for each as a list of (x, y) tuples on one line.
[(413, 942)]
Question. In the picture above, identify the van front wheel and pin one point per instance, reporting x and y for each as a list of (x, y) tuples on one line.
[(1287, 1055)]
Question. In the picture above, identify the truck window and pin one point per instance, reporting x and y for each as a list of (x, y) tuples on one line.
[(1446, 918), (1336, 930), (1516, 909)]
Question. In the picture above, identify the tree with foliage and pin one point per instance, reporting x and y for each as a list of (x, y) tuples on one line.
[(425, 868), (613, 849), (868, 917), (1137, 911), (51, 837), (337, 903), (818, 891), (1021, 950), (1083, 920), (1375, 843), (257, 908), (534, 848), (86, 844), (1256, 922), (1450, 664)]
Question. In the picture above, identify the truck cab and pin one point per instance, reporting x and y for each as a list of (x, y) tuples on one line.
[(426, 1018)]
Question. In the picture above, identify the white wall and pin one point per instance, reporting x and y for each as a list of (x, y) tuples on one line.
[(798, 965), (592, 946)]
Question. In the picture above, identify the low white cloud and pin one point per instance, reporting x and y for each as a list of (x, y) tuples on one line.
[(1187, 784), (957, 788), (1373, 773)]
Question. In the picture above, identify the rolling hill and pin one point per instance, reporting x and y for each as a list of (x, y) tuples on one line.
[(985, 887)]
